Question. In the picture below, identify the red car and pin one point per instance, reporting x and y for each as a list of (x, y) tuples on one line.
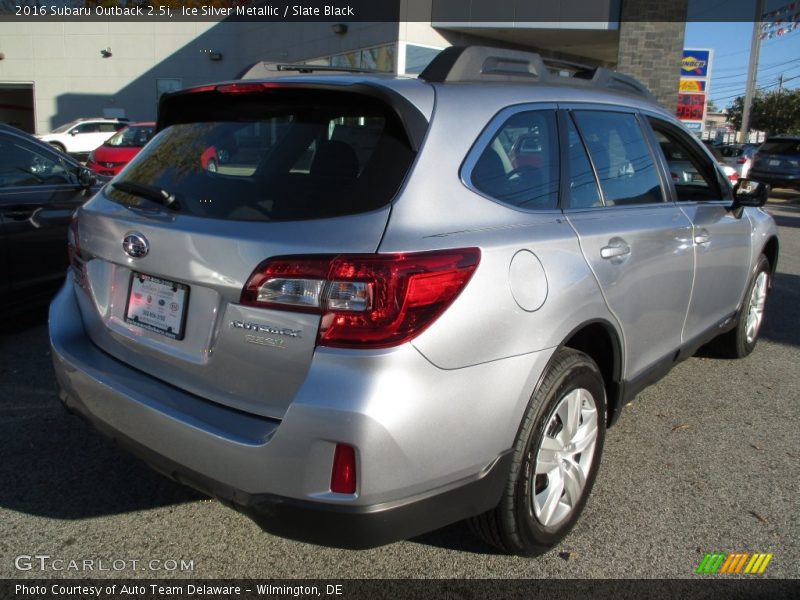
[(119, 149)]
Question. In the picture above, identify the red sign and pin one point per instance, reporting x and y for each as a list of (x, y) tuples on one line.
[(691, 107)]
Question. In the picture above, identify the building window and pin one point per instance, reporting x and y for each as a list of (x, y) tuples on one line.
[(418, 57)]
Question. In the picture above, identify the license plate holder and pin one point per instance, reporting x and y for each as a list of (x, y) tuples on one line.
[(157, 305)]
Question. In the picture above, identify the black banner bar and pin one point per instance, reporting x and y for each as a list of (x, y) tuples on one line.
[(703, 587)]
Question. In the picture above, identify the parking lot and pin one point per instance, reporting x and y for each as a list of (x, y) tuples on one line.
[(708, 460)]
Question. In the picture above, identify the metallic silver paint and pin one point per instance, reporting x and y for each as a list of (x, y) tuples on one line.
[(428, 413)]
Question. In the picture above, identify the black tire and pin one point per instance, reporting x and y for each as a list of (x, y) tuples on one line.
[(735, 343), (59, 147), (513, 525)]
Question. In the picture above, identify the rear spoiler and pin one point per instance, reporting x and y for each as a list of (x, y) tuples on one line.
[(173, 107)]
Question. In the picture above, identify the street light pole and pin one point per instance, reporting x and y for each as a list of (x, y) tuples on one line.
[(752, 72)]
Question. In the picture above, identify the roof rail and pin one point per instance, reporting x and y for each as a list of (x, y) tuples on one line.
[(458, 64), (269, 69)]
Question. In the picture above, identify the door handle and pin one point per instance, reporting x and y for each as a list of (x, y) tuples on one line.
[(615, 250), (702, 238), (19, 214)]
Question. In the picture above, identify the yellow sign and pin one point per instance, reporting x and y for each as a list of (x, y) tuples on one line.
[(690, 63), (692, 85)]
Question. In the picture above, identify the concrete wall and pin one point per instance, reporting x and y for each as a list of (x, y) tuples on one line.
[(72, 79), (293, 42), (651, 45)]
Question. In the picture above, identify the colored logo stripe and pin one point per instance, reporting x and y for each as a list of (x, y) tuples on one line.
[(758, 564), (719, 562), (711, 563)]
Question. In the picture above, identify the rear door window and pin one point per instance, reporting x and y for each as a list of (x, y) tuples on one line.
[(276, 157), (621, 157)]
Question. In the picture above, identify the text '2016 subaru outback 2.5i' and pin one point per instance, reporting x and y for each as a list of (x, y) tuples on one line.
[(399, 303)]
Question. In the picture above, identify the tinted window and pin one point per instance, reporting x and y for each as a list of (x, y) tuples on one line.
[(583, 190), (131, 137), (693, 174), (22, 165), (87, 128), (731, 151), (520, 164), (780, 147), (621, 156), (277, 157)]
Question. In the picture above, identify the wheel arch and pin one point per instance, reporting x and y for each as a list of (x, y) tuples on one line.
[(599, 339), (770, 250)]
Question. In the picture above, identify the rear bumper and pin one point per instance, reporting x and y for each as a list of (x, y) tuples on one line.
[(417, 472), (779, 180), (341, 526)]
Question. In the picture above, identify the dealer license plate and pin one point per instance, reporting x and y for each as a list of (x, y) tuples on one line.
[(157, 305)]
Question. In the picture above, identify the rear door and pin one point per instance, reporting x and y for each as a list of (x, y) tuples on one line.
[(304, 173), (39, 191), (636, 243), (721, 239)]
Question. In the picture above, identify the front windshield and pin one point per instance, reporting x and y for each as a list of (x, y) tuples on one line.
[(131, 137)]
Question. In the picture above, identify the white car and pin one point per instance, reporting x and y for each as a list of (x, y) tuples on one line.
[(81, 136)]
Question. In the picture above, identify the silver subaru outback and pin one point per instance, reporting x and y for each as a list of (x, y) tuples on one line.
[(358, 308)]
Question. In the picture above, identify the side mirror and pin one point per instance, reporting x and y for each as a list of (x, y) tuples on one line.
[(73, 132), (747, 192), (86, 177)]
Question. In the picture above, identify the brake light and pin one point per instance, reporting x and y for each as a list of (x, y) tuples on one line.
[(366, 301), (74, 250), (733, 177), (741, 160), (245, 88), (343, 473), (73, 238)]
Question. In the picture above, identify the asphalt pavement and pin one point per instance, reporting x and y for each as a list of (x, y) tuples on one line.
[(707, 460)]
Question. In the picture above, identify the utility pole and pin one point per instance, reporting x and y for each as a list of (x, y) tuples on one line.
[(752, 72), (780, 83)]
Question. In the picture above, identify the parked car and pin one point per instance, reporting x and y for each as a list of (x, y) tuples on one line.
[(730, 172), (118, 150), (777, 162), (81, 136), (739, 156), (39, 190), (406, 329)]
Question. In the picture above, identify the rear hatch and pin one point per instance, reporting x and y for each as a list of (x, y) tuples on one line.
[(779, 157), (238, 174)]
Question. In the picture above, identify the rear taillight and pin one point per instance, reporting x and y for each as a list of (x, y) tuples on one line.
[(74, 250), (73, 239), (733, 177), (373, 300), (741, 161)]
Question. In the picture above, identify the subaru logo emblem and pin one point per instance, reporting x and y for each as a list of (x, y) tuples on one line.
[(135, 245)]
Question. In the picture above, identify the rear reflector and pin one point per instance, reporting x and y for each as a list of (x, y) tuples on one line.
[(373, 300), (343, 474)]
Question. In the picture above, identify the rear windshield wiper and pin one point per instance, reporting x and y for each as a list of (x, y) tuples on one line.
[(151, 192)]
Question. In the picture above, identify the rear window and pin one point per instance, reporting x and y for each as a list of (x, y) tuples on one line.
[(131, 137), (731, 151), (276, 156), (780, 147)]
